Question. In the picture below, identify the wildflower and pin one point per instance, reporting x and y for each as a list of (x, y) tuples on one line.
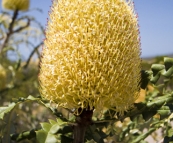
[(22, 5), (91, 55)]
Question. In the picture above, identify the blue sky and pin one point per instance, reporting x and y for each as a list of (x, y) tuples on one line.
[(156, 26), (155, 21)]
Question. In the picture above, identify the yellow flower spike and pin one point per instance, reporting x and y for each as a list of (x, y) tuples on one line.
[(21, 5), (91, 55), (2, 77)]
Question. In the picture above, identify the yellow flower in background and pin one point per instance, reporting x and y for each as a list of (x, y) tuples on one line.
[(2, 77), (22, 5), (91, 56)]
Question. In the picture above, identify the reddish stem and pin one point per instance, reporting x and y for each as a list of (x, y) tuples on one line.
[(83, 121)]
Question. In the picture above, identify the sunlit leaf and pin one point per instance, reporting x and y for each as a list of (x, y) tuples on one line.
[(41, 136), (4, 110), (46, 126), (55, 128)]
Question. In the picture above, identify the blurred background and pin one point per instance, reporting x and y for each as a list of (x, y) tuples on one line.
[(155, 21)]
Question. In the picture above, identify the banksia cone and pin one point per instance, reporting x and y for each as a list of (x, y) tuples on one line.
[(22, 5), (91, 57), (2, 77)]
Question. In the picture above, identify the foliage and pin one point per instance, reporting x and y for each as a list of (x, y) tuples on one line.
[(153, 113), (27, 118)]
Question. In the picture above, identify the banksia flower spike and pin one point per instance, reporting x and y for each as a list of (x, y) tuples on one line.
[(20, 5), (2, 77), (91, 55)]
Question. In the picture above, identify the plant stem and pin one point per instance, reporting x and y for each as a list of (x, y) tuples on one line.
[(82, 122), (10, 29), (79, 133), (24, 135), (32, 53)]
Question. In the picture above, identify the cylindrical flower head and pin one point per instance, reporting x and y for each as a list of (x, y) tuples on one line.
[(22, 5), (2, 77), (91, 56)]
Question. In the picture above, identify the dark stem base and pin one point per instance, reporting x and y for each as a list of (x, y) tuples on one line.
[(82, 122)]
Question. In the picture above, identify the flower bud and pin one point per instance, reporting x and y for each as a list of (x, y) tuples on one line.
[(21, 5), (91, 55)]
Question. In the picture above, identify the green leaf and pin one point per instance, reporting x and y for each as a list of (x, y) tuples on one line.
[(46, 126), (60, 121), (52, 121), (125, 131), (169, 73), (168, 62), (6, 126), (30, 97), (143, 136), (155, 78), (170, 132), (4, 110), (41, 136), (156, 68), (44, 137), (24, 135), (164, 112), (51, 139), (54, 132), (55, 128)]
